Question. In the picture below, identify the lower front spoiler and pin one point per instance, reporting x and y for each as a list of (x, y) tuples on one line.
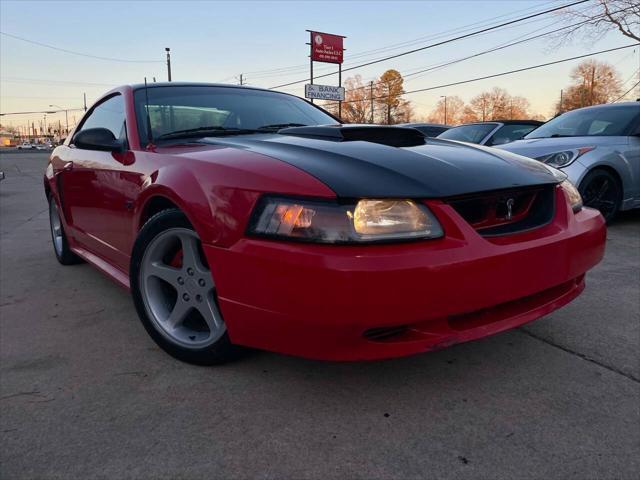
[(346, 344)]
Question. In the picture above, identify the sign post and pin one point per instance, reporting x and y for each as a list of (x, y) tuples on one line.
[(327, 48)]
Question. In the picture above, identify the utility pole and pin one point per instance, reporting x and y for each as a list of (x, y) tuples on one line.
[(593, 78), (340, 85), (66, 116), (168, 50), (241, 80), (85, 101), (371, 97), (484, 108), (561, 92), (445, 108)]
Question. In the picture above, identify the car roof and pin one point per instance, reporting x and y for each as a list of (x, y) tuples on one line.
[(504, 122), (423, 125), (137, 86), (608, 105)]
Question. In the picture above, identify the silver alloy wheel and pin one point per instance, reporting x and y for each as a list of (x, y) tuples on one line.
[(56, 227), (181, 302)]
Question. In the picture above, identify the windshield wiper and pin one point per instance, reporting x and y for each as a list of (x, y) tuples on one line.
[(278, 126), (555, 135), (204, 132)]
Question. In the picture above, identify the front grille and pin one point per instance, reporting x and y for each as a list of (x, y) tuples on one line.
[(504, 212)]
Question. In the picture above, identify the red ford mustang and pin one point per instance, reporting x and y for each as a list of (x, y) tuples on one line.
[(239, 216)]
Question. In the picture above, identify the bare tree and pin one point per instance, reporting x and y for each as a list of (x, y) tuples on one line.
[(454, 109), (593, 83), (594, 21), (497, 104)]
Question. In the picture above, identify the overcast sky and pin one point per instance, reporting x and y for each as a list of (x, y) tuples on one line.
[(216, 41)]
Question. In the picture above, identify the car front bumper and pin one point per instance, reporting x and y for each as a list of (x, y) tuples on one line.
[(380, 301)]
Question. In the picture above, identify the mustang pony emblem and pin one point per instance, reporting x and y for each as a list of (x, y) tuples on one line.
[(509, 204)]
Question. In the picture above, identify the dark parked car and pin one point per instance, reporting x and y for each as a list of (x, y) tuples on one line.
[(429, 129), (491, 133)]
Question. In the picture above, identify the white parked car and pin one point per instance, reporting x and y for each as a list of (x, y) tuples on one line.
[(25, 145)]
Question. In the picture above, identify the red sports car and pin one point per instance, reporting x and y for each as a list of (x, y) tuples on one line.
[(246, 217)]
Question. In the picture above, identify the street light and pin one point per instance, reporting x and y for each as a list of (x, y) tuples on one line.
[(445, 108), (66, 117)]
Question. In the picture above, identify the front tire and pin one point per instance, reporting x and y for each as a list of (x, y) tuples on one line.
[(64, 255), (600, 189), (174, 291)]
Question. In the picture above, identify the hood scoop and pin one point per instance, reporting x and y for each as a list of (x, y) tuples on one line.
[(384, 135)]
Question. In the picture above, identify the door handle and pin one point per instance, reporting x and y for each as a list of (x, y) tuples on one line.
[(67, 167)]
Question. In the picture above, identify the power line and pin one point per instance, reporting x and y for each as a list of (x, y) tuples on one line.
[(532, 67), (43, 111), (48, 82), (627, 92), (460, 37), (478, 54), (40, 44), (291, 68)]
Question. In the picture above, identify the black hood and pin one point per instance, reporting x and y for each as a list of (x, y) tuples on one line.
[(366, 161)]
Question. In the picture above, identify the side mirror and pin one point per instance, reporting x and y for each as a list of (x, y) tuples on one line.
[(98, 139)]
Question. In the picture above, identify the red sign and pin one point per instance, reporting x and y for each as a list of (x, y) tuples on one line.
[(326, 48)]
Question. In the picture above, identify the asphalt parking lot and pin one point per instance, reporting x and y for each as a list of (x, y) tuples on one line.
[(85, 393)]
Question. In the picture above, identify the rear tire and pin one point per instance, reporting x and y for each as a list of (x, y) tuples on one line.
[(64, 255), (600, 189), (174, 291)]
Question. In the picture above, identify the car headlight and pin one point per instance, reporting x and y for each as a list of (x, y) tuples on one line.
[(564, 158), (575, 199), (367, 220)]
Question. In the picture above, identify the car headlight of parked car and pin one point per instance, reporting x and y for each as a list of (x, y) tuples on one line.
[(575, 199), (564, 158), (368, 220)]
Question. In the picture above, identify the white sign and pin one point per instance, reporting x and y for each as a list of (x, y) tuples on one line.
[(323, 92)]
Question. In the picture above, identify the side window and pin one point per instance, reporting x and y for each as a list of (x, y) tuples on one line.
[(510, 133), (110, 115)]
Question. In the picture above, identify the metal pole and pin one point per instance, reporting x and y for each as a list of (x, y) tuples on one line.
[(66, 120), (168, 50), (311, 59), (85, 101), (371, 96), (560, 101), (445, 108), (241, 79), (339, 85)]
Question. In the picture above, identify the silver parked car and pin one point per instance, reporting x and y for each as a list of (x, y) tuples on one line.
[(598, 148)]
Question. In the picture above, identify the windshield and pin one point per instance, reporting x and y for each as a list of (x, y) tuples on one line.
[(473, 133), (219, 109), (607, 121)]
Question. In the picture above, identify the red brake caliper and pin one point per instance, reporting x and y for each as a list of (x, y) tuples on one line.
[(176, 261)]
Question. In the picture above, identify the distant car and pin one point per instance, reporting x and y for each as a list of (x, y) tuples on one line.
[(429, 129), (491, 133), (43, 146), (25, 146), (598, 148)]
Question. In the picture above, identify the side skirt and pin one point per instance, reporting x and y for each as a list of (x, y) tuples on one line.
[(109, 270)]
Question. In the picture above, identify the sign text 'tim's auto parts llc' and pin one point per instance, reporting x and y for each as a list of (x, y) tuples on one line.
[(326, 48)]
